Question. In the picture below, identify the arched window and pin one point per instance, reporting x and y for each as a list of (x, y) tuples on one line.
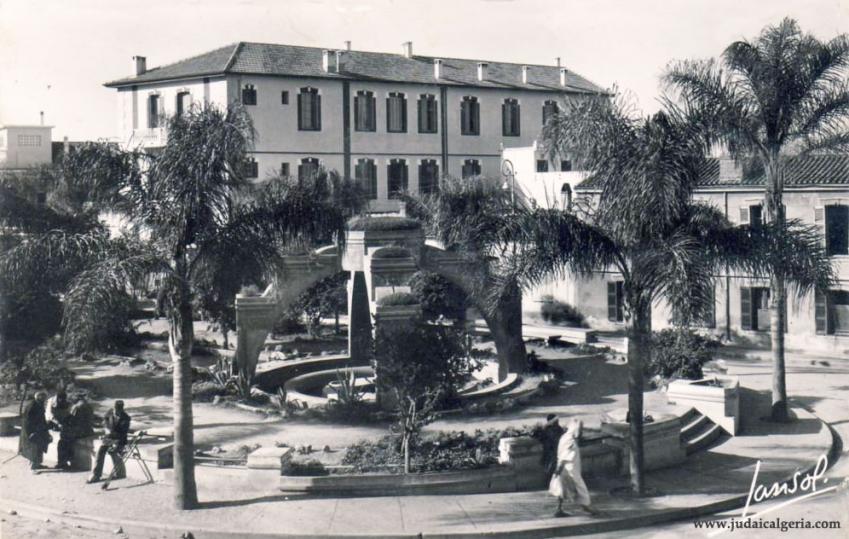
[(428, 176), (510, 121), (365, 173), (397, 177), (566, 196)]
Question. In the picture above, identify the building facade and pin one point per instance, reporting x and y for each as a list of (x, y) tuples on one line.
[(23, 146), (391, 121), (816, 193)]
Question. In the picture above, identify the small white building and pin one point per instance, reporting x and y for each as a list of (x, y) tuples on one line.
[(24, 146)]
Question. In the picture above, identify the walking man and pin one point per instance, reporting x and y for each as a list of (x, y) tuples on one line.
[(551, 433), (35, 436), (117, 424)]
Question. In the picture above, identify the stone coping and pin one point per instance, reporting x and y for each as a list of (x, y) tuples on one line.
[(209, 523)]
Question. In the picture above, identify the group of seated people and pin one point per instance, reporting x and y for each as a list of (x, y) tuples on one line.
[(72, 421)]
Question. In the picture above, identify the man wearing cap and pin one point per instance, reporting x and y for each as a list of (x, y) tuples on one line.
[(117, 424), (35, 436)]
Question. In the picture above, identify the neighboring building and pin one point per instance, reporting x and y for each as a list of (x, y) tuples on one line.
[(816, 192), (392, 121), (23, 146)]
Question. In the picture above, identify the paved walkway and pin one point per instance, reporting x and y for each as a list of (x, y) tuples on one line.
[(715, 476)]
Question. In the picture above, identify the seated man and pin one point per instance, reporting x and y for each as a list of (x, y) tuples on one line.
[(117, 425)]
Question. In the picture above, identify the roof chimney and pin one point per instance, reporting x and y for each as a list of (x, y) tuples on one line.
[(140, 64), (41, 114), (347, 45), (482, 70), (525, 70), (328, 61), (66, 146), (408, 49), (563, 71), (437, 68), (558, 61)]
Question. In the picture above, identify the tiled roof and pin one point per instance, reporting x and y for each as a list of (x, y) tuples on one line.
[(799, 172), (289, 60)]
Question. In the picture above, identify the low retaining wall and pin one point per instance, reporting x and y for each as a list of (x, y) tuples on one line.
[(662, 446), (271, 379)]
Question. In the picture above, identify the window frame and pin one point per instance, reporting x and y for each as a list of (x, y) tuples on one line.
[(249, 90), (433, 177), (389, 116), (548, 105), (511, 118), (470, 116), (313, 113), (425, 103), (830, 210), (284, 97), (153, 112), (475, 164), (400, 164), (365, 112), (308, 161), (179, 103), (616, 308), (364, 164)]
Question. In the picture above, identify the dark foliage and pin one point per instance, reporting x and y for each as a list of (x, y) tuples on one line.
[(439, 297), (398, 299), (383, 223), (300, 469), (680, 353), (558, 312)]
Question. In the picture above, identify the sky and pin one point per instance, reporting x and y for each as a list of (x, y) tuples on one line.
[(55, 55)]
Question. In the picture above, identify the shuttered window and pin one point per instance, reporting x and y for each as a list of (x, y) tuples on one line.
[(821, 312), (366, 174), (754, 309), (249, 95), (549, 109), (510, 121), (428, 177), (309, 110), (397, 177), (396, 113), (471, 168), (308, 168), (831, 312), (364, 111), (427, 114), (615, 301), (153, 111), (470, 116), (251, 168), (837, 230), (184, 101)]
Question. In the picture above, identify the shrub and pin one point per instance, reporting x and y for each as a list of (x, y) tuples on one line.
[(680, 353), (44, 366), (560, 313), (206, 391), (383, 223), (438, 296), (305, 468), (398, 298)]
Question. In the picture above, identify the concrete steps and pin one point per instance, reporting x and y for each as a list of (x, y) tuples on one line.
[(699, 432)]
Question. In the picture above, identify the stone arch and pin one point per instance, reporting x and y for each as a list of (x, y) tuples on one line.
[(377, 257)]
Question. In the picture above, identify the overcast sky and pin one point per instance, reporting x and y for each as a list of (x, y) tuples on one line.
[(56, 55)]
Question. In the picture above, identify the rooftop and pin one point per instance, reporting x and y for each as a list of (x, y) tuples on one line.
[(247, 58), (812, 170)]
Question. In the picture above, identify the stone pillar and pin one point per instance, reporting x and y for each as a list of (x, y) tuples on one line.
[(359, 319), (254, 321)]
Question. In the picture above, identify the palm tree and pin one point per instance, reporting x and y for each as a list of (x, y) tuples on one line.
[(186, 207), (643, 222), (476, 219), (783, 93)]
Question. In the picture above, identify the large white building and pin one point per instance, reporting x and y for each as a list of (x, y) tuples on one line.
[(392, 121), (816, 192)]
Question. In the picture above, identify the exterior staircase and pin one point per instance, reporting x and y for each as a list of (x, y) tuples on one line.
[(699, 432)]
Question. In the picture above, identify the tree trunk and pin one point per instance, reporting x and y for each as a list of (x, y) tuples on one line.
[(639, 350), (180, 338), (226, 335), (406, 453), (778, 312), (505, 325)]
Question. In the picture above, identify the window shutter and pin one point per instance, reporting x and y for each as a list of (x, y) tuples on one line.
[(300, 111), (505, 119), (744, 215), (317, 111), (612, 303), (402, 103), (517, 120), (821, 312), (372, 176), (357, 105), (746, 308), (819, 222)]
